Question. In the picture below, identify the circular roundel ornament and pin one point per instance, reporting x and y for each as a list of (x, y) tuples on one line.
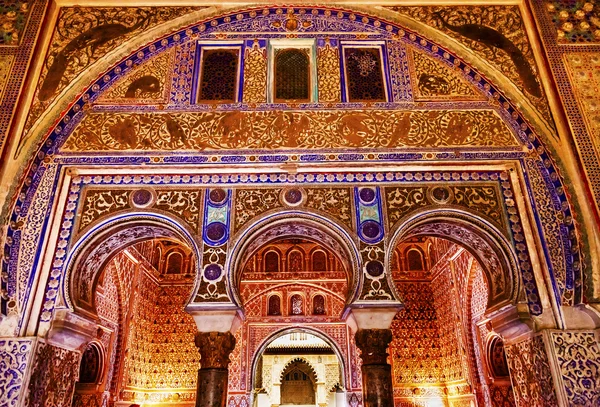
[(440, 194), (374, 268), (293, 196), (212, 272), (366, 195), (217, 196), (371, 230), (215, 231), (142, 198)]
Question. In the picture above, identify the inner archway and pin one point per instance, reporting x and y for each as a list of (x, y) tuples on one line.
[(145, 347), (298, 367), (441, 342)]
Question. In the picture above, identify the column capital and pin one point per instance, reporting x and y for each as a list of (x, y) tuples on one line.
[(214, 348), (373, 345)]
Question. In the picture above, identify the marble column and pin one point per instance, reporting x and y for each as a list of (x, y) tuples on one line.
[(376, 371), (214, 348)]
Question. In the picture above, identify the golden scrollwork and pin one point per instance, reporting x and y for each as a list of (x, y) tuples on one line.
[(255, 74), (148, 83), (328, 67), (437, 81), (111, 131)]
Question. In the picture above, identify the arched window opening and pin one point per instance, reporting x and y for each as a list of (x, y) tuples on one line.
[(292, 75), (271, 262), (497, 358), (174, 263), (91, 365), (274, 307), (296, 305), (319, 261), (319, 305), (295, 262), (414, 260)]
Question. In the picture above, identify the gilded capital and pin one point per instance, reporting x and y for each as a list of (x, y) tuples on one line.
[(214, 348)]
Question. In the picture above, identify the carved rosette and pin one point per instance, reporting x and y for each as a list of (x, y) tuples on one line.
[(215, 348), (373, 344)]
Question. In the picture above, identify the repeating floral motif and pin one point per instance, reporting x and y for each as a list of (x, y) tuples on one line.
[(399, 72), (13, 18), (282, 129), (328, 69), (99, 203), (578, 356), (548, 213), (15, 355), (576, 22), (32, 233), (54, 373), (255, 74), (250, 203), (530, 373)]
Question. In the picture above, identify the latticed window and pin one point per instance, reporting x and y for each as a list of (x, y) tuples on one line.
[(274, 305), (218, 75), (364, 75), (295, 262), (296, 303), (319, 261), (319, 305), (292, 75)]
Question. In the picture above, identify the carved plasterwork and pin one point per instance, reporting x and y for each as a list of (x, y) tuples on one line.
[(497, 33), (578, 356), (530, 373), (85, 34), (434, 80), (255, 77), (15, 356), (148, 83), (273, 129), (328, 69)]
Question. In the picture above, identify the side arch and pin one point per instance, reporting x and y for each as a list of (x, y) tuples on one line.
[(487, 244), (294, 224), (94, 249)]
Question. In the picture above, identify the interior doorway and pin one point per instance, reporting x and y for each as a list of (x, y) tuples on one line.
[(298, 368)]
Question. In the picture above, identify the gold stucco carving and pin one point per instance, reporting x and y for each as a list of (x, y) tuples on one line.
[(293, 129)]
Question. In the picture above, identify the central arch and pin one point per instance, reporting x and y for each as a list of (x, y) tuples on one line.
[(329, 233), (312, 331)]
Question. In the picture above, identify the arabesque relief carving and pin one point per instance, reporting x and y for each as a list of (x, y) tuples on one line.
[(295, 129)]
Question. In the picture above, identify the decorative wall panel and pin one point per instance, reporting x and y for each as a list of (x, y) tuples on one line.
[(54, 373), (269, 130), (15, 356), (578, 357)]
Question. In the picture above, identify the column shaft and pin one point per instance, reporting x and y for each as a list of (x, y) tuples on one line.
[(376, 371), (214, 348)]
